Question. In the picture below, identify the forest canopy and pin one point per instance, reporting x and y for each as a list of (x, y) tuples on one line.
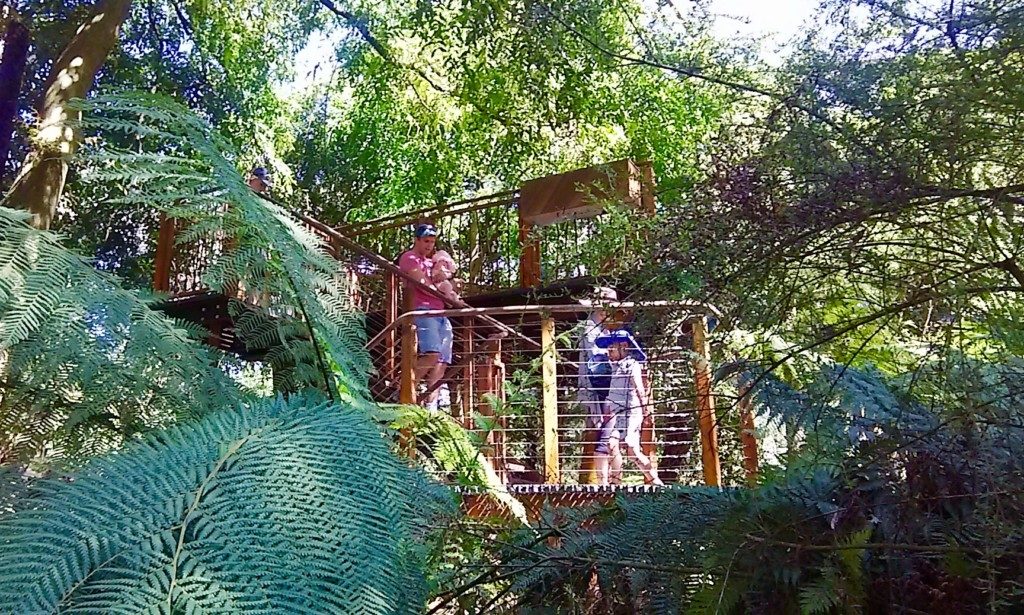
[(850, 205)]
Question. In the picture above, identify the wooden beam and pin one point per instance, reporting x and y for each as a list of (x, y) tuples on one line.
[(407, 382), (466, 395), (529, 255), (647, 187), (390, 316), (549, 384), (490, 384), (706, 418)]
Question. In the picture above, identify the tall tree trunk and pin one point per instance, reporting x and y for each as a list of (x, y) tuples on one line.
[(12, 73), (40, 182)]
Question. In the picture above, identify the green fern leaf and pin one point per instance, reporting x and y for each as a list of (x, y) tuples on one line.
[(276, 508)]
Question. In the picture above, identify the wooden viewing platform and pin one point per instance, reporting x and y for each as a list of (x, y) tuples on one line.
[(513, 375)]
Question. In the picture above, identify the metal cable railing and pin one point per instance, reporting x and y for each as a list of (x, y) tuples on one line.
[(522, 399)]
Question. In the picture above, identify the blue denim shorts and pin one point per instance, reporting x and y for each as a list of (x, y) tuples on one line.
[(434, 334)]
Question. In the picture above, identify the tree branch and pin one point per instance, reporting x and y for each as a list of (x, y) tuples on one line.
[(875, 546), (787, 101), (40, 183), (360, 26)]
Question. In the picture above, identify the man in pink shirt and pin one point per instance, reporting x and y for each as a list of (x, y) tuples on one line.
[(433, 333)]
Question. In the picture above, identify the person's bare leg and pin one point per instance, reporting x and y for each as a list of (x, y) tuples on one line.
[(433, 377), (601, 467), (644, 462), (615, 465), (589, 473), (426, 365)]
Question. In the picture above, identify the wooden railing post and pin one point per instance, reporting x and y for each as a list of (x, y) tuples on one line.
[(549, 384), (490, 375), (706, 405), (407, 382), (748, 435), (164, 254), (391, 302), (469, 374)]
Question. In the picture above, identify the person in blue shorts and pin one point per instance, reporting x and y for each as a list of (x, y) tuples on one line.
[(433, 333)]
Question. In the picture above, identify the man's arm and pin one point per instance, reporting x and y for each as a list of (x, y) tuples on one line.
[(641, 389)]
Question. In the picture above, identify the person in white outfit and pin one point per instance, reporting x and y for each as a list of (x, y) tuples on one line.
[(625, 407)]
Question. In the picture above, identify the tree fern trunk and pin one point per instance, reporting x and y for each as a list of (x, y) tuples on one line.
[(40, 182)]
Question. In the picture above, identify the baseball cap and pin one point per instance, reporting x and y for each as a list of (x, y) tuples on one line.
[(263, 175), (425, 230), (599, 296)]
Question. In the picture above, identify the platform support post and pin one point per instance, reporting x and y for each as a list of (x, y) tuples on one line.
[(490, 386), (164, 254), (407, 382), (549, 375), (706, 418), (529, 255), (466, 395), (748, 435), (392, 298)]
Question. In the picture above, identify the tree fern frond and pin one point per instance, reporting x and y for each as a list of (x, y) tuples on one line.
[(260, 245), (89, 364), (819, 596), (280, 507), (454, 456)]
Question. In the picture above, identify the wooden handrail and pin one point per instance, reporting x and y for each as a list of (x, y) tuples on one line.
[(569, 307), (539, 309), (447, 209), (390, 267)]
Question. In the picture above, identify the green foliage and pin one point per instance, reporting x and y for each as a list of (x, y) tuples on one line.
[(259, 246), (449, 452), (882, 520), (276, 507), (476, 97), (86, 364), (90, 365)]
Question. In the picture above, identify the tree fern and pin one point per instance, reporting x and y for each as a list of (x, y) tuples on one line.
[(189, 171), (277, 508), (88, 363), (820, 596), (452, 453)]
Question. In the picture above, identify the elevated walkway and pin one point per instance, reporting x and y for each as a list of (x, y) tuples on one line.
[(527, 256), (480, 503)]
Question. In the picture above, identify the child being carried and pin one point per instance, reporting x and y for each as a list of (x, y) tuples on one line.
[(443, 276)]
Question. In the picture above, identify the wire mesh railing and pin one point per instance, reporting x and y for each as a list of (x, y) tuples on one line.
[(514, 374)]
